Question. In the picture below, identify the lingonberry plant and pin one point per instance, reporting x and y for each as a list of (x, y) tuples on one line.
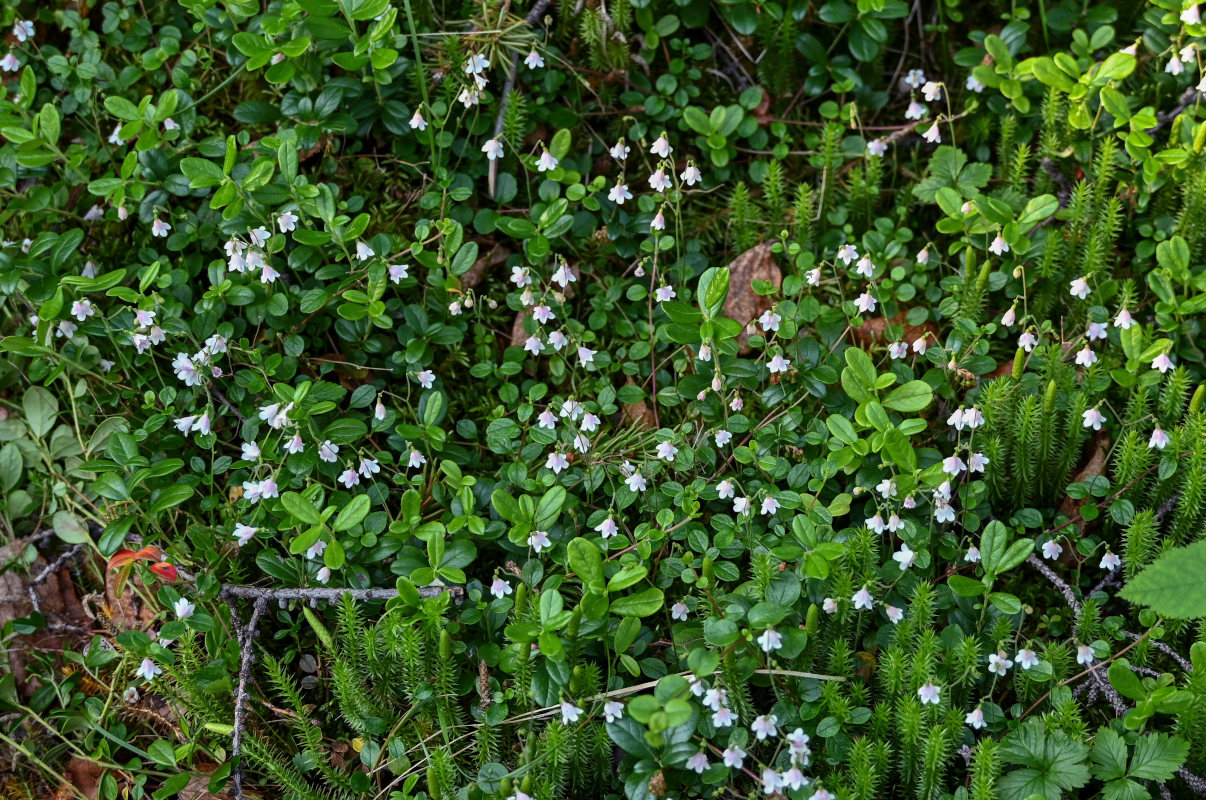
[(614, 399)]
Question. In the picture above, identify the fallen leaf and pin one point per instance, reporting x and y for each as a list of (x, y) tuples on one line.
[(743, 303)]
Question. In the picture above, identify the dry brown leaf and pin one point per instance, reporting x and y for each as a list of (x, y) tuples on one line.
[(1095, 465), (82, 777), (639, 414), (743, 303), (518, 334), (495, 256)]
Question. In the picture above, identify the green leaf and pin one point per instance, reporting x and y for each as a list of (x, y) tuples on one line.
[(41, 409), (1006, 603), (549, 508), (1158, 756), (506, 506), (68, 527), (1047, 72), (964, 586), (201, 172), (1124, 679), (162, 753), (172, 496), (121, 108), (641, 604), (352, 514), (912, 396), (1172, 585), (300, 508), (587, 563)]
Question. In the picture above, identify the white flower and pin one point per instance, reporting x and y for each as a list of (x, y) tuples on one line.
[(1079, 288), (619, 193), (569, 713), (82, 309), (1191, 15), (919, 345), (975, 718), (533, 60), (243, 533), (943, 512), (1124, 320), (328, 452), (953, 466), (148, 669), (426, 378), (349, 478), (500, 588), (933, 134), (769, 506), (476, 64), (875, 523), (999, 246), (1093, 419), (665, 294), (769, 321), (160, 228), (556, 462), (764, 726), (698, 762), (725, 489), (847, 253), (715, 698), (976, 462), (1162, 362), (1052, 549), (586, 355), (778, 364), (1027, 658), (613, 710), (999, 662), (417, 459), (771, 782), (417, 122), (678, 611), (862, 599), (636, 482), (741, 505), (397, 272), (1110, 561), (974, 85), (905, 557), (1084, 654), (929, 694), (1159, 440), (539, 540), (184, 609), (914, 78), (770, 640), (932, 91), (895, 615), (23, 29), (251, 451), (546, 163), (364, 252), (915, 111), (865, 302), (666, 451), (1174, 66), (886, 488), (898, 350), (691, 175), (10, 63), (620, 151), (1027, 341), (972, 555), (813, 276), (659, 181), (1086, 357), (661, 148), (876, 147), (733, 757), (607, 528), (829, 606), (493, 149), (864, 267)]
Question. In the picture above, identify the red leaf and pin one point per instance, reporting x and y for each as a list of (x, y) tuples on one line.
[(165, 570)]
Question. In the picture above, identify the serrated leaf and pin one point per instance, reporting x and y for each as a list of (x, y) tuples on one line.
[(1172, 585)]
